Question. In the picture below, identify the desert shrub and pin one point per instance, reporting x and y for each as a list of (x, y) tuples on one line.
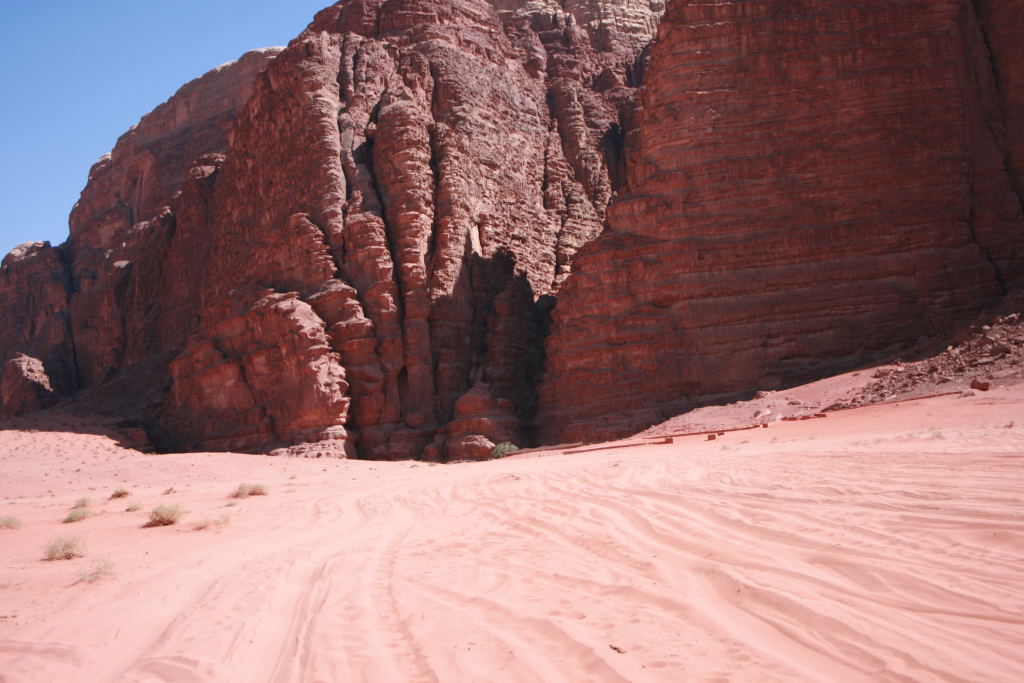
[(64, 548), (504, 448), (120, 493), (169, 491), (134, 507), (207, 523), (100, 569), (164, 515), (246, 490), (80, 504), (76, 515), (10, 523)]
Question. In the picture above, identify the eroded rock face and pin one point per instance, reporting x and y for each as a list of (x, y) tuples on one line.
[(452, 158), (810, 184), (470, 447), (265, 376), (35, 285), (352, 245), (149, 162), (122, 224), (24, 387), (414, 178)]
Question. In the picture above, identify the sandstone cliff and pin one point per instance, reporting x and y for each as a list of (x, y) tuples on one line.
[(339, 248), (810, 185), (352, 245)]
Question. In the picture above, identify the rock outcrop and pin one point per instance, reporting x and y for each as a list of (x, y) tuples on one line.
[(149, 162), (35, 286), (353, 245), (810, 185), (24, 387), (342, 246)]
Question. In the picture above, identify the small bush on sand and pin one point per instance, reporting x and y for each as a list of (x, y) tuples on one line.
[(100, 569), (10, 523), (246, 490), (134, 507), (207, 523), (77, 515), (504, 448), (80, 504), (164, 515), (64, 548), (120, 493), (169, 491)]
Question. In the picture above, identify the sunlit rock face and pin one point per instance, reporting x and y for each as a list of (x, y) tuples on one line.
[(810, 184), (338, 240)]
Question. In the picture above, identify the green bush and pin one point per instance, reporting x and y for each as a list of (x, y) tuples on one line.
[(504, 448)]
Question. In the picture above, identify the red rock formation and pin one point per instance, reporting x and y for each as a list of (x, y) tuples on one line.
[(353, 244), (149, 162), (121, 220), (24, 387), (810, 184), (35, 283), (993, 31), (370, 236), (477, 412), (451, 158), (262, 373)]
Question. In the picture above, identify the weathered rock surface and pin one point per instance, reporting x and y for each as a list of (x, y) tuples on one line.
[(122, 223), (342, 246), (810, 184), (263, 377), (149, 162), (470, 447), (352, 245), (24, 387), (480, 416), (35, 285)]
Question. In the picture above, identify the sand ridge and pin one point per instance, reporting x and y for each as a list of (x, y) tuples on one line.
[(880, 544)]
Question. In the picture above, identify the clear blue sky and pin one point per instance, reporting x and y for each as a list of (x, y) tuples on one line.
[(78, 73)]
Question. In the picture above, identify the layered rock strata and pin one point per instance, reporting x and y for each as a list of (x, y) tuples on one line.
[(810, 185), (376, 232), (353, 243)]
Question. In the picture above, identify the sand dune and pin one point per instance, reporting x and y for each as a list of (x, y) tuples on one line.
[(880, 544)]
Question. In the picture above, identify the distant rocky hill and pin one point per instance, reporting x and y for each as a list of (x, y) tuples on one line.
[(393, 237)]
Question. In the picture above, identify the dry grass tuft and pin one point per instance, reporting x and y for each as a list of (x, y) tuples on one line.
[(164, 515), (134, 507), (77, 515), (81, 503), (100, 569), (10, 523), (64, 548), (246, 490), (120, 493), (207, 523)]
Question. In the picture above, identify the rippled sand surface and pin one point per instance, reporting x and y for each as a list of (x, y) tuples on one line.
[(881, 544)]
